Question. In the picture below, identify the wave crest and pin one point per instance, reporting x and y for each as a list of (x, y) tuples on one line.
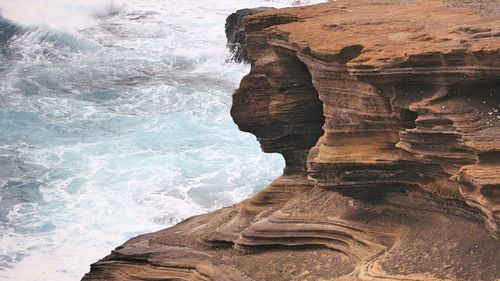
[(40, 41)]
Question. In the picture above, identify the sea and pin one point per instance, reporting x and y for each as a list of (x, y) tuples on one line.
[(114, 121)]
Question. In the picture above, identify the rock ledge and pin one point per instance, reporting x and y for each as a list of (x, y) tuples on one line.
[(387, 114)]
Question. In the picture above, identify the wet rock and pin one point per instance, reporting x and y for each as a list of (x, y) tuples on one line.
[(235, 32)]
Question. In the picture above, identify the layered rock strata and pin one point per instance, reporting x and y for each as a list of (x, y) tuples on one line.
[(387, 114), (235, 33)]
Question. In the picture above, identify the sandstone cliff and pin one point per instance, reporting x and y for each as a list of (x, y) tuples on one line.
[(387, 114)]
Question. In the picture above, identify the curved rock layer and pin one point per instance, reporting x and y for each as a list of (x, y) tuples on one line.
[(387, 114)]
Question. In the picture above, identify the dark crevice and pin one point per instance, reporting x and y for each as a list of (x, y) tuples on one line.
[(219, 244), (313, 109), (408, 118), (348, 53), (281, 247)]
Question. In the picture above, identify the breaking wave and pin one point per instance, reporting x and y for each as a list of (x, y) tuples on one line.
[(114, 121)]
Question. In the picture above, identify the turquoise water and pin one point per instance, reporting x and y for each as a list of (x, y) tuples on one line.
[(114, 121)]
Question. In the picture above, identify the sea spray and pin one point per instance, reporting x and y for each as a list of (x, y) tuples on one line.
[(114, 121)]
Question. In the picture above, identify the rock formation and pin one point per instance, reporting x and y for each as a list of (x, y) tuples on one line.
[(235, 33), (387, 114)]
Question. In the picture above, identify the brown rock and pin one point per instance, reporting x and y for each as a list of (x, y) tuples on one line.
[(235, 32), (387, 113)]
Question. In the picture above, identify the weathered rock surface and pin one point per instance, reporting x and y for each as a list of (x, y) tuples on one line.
[(387, 114), (235, 32)]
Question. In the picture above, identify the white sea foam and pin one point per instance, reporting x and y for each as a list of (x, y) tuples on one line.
[(101, 144), (66, 15)]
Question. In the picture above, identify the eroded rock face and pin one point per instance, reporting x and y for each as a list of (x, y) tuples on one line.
[(387, 113), (235, 32)]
